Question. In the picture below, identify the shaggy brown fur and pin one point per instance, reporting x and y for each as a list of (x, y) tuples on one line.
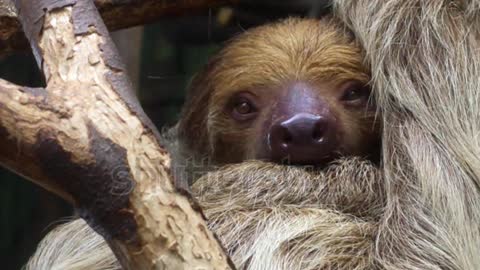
[(73, 246), (269, 217), (423, 212), (279, 217), (425, 62)]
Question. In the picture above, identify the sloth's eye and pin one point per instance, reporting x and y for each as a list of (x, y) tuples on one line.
[(353, 94), (356, 95), (243, 108)]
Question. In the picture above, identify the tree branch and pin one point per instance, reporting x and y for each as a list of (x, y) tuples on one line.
[(117, 14), (85, 137), (22, 110)]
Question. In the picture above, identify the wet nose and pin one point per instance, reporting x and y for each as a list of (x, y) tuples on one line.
[(303, 139)]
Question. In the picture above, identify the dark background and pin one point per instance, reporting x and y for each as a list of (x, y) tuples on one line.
[(161, 59)]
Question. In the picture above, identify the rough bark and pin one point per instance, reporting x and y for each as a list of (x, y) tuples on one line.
[(85, 137), (117, 14)]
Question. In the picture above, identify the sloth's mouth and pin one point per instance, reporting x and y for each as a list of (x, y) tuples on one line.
[(301, 157), (314, 162)]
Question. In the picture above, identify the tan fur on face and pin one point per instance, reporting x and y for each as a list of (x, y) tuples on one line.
[(292, 50), (272, 56), (267, 59)]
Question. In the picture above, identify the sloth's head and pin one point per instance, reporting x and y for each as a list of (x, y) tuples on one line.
[(295, 91)]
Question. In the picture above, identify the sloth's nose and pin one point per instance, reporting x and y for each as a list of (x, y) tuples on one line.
[(305, 138)]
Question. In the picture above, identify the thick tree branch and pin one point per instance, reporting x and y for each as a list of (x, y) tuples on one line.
[(86, 138), (117, 14), (22, 110)]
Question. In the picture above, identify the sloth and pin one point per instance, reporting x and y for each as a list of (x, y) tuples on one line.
[(296, 93), (287, 108)]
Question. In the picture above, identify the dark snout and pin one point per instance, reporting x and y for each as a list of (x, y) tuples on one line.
[(305, 131), (303, 139)]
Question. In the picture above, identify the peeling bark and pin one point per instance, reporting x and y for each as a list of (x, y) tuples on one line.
[(86, 138), (117, 14)]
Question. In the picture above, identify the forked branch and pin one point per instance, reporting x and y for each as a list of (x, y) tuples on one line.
[(85, 137)]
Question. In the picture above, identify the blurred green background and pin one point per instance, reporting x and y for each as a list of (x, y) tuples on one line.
[(161, 59)]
